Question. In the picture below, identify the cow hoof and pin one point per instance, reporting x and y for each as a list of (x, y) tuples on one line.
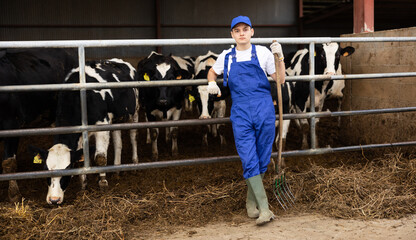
[(103, 183), (175, 154), (155, 157)]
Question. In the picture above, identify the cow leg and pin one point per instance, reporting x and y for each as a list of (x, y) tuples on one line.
[(154, 135), (118, 146), (83, 180), (305, 130), (188, 105), (167, 134), (148, 138), (9, 165), (176, 115), (205, 130), (133, 139), (83, 177), (220, 113), (174, 135), (286, 124), (102, 140), (339, 110), (214, 130)]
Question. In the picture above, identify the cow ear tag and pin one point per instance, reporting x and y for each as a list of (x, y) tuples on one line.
[(179, 77), (37, 159), (345, 54), (191, 98), (314, 54), (146, 77)]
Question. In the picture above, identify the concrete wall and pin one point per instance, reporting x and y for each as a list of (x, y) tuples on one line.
[(384, 57)]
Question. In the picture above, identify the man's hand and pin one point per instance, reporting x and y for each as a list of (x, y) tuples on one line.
[(213, 88), (277, 49)]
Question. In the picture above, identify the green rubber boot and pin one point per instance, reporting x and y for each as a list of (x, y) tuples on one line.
[(251, 204), (257, 188)]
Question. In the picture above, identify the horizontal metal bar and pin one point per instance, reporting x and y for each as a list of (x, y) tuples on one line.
[(176, 163), (184, 123), (102, 85), (189, 82), (123, 167), (109, 127), (195, 41), (136, 25), (319, 151)]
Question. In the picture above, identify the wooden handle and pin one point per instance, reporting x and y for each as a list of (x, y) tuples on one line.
[(280, 104)]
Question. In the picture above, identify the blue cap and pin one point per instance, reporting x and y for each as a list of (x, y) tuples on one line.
[(240, 19)]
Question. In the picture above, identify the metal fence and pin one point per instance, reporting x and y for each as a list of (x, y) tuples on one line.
[(83, 87)]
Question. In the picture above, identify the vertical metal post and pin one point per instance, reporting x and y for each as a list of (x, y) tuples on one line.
[(83, 96), (158, 25), (312, 92)]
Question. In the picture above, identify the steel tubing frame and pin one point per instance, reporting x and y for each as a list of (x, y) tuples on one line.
[(83, 87)]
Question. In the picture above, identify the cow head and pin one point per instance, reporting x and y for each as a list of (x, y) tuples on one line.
[(327, 57), (57, 157), (204, 100), (160, 67)]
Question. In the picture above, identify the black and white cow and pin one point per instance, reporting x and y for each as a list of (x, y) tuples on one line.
[(286, 93), (105, 106), (327, 62), (20, 109), (209, 106), (161, 103), (187, 65)]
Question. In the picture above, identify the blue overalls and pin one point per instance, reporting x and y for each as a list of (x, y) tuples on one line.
[(252, 113)]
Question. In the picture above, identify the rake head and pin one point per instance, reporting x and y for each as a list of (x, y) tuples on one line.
[(282, 190)]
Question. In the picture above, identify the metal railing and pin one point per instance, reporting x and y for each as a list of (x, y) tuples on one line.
[(83, 86)]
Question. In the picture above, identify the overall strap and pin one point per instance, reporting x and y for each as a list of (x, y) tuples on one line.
[(227, 56), (253, 52)]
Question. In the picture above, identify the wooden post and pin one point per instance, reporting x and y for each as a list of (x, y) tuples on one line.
[(363, 16)]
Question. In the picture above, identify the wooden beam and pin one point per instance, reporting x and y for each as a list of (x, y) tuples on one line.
[(363, 16)]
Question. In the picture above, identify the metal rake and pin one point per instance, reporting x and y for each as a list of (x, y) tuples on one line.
[(281, 188)]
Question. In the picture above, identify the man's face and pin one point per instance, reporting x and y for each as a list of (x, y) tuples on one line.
[(242, 33)]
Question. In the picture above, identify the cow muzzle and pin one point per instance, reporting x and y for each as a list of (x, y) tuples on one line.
[(55, 200), (329, 73), (162, 102), (204, 117)]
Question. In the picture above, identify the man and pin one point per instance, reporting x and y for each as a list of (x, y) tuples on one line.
[(252, 112)]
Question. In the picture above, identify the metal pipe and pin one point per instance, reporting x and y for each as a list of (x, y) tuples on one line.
[(137, 25), (189, 162), (312, 93), (189, 82), (83, 98), (195, 41), (185, 123)]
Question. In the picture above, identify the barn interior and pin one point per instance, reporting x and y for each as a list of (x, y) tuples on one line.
[(373, 184)]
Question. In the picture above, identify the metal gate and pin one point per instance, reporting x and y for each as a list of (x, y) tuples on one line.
[(83, 86)]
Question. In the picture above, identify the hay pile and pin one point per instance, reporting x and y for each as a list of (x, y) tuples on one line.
[(380, 188)]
